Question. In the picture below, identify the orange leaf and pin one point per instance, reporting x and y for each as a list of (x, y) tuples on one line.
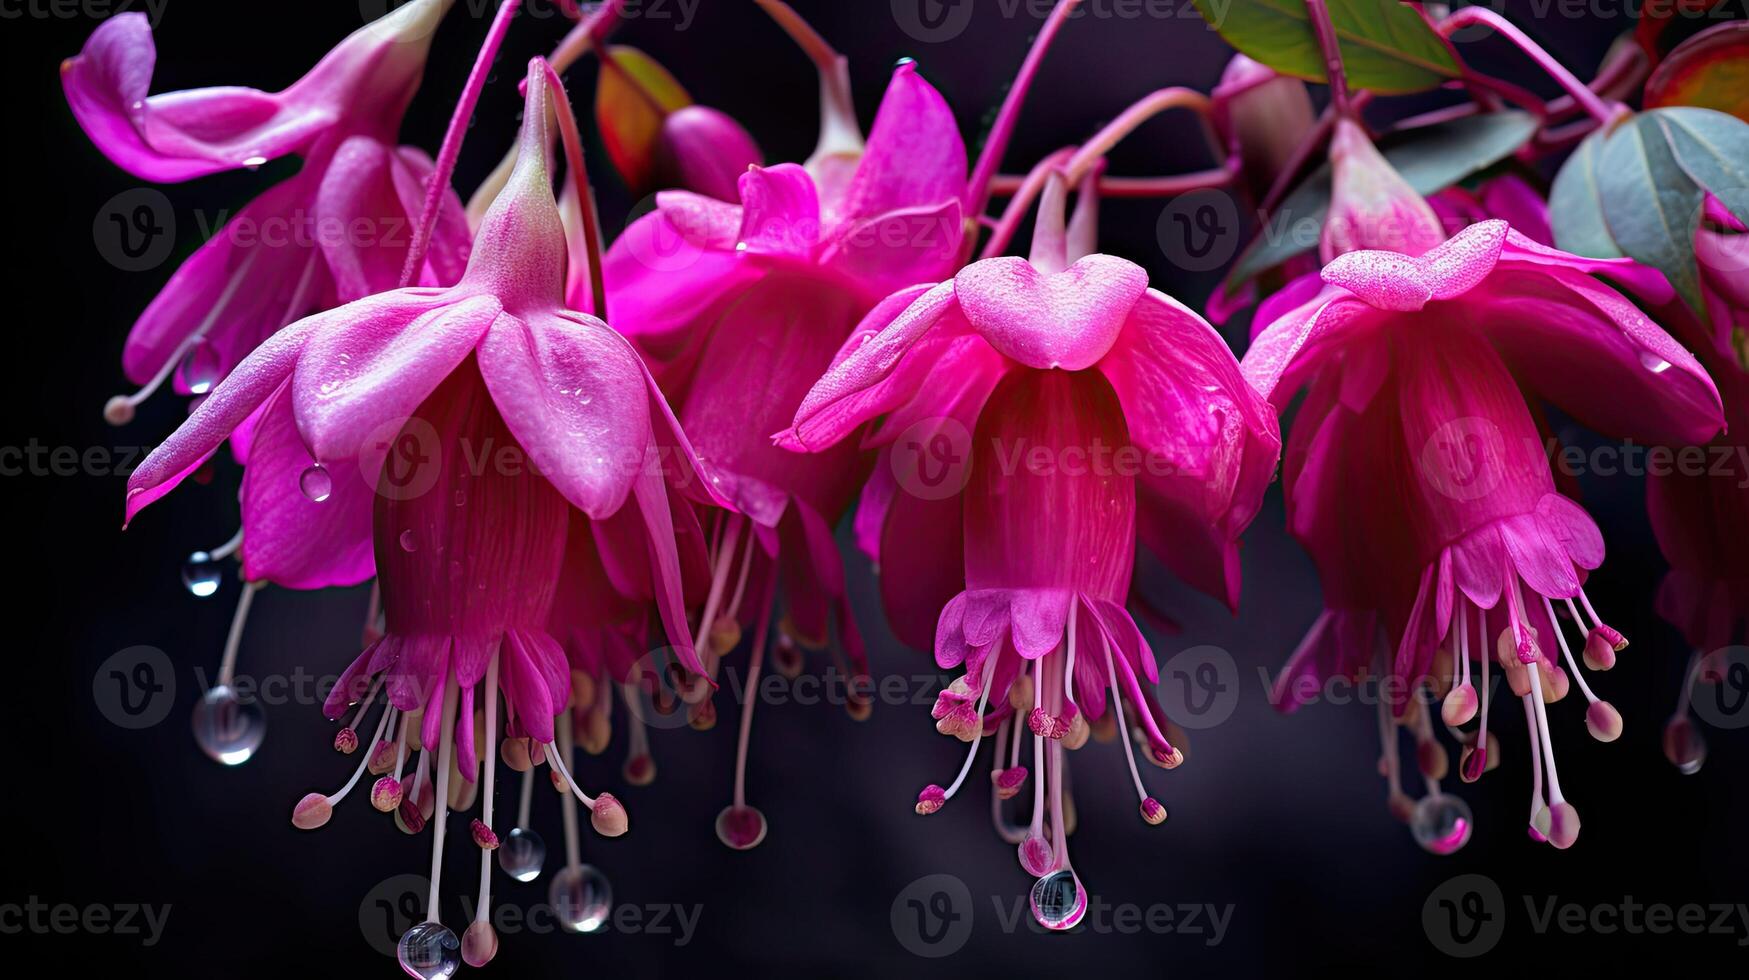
[(1710, 70), (632, 98)]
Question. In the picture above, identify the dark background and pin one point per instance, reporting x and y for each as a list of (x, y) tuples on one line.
[(1279, 817)]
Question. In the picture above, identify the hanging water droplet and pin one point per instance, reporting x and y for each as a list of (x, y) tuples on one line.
[(316, 483), (199, 369), (521, 854), (741, 827), (1653, 363), (430, 951), (1441, 823), (201, 575), (1058, 900), (408, 543), (255, 162), (227, 729), (1684, 745), (581, 898)]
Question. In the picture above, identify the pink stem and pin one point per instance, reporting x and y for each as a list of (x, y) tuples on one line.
[(580, 181), (977, 195), (1169, 185), (1326, 31), (1594, 106), (589, 32), (1141, 111), (452, 140)]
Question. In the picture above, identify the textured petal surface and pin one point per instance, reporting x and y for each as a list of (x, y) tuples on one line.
[(1067, 319)]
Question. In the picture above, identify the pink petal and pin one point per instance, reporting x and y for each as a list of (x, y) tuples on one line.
[(854, 389), (289, 539), (178, 135), (1036, 619), (376, 360), (1063, 320), (232, 401), (914, 157), (652, 500), (572, 392), (1291, 348), (895, 249), (780, 212), (1382, 280), (256, 275), (703, 221)]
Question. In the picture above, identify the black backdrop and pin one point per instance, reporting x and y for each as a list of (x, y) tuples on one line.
[(1278, 819)]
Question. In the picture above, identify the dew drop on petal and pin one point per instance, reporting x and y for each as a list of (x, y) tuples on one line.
[(1653, 363), (1058, 900), (408, 543), (581, 898), (228, 730), (201, 575), (255, 162), (315, 482), (199, 369), (430, 951), (1441, 823), (521, 854)]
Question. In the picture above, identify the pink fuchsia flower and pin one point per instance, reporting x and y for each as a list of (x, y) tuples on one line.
[(1096, 407), (740, 307), (1491, 544), (498, 410), (1508, 197), (336, 231)]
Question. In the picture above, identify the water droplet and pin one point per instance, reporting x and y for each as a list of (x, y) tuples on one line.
[(581, 898), (255, 162), (1684, 745), (228, 730), (1653, 363), (201, 575), (430, 950), (1058, 900), (521, 854), (1441, 823), (316, 483), (408, 543), (199, 369)]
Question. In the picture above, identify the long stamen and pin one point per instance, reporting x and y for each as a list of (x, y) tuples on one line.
[(754, 660), (1538, 821), (120, 409), (234, 639), (1152, 811), (314, 809), (446, 748), (934, 797)]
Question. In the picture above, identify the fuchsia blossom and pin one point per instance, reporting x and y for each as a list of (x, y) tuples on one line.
[(739, 308), (298, 248), (469, 549), (1068, 357), (1416, 366)]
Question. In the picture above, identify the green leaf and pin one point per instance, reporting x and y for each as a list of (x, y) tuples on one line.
[(1576, 207), (1386, 46), (1651, 205), (1713, 149), (1430, 158)]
